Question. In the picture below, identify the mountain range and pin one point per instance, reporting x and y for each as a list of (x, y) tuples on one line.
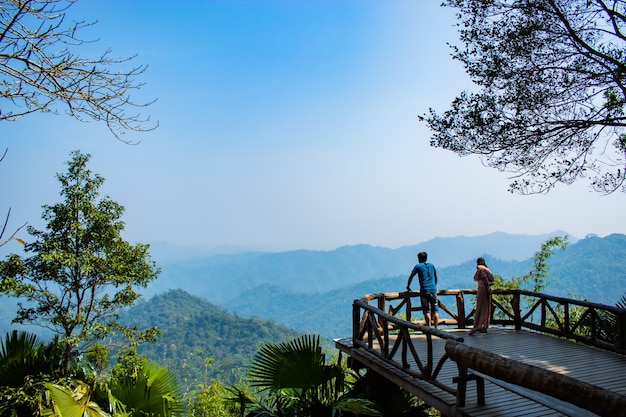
[(312, 291), (221, 278), (242, 300)]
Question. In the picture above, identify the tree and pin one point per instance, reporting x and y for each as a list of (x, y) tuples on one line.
[(42, 70), (538, 276), (81, 271), (537, 279), (211, 400), (551, 92)]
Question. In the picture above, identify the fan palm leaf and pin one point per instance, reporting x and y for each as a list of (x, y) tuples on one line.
[(152, 391), (20, 356), (299, 364)]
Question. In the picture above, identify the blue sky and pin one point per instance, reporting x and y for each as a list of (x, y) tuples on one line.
[(286, 125)]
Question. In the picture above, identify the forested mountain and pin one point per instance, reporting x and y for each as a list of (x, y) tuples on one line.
[(196, 330)]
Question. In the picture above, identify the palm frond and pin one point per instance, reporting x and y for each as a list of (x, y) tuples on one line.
[(153, 391), (20, 356), (356, 406), (299, 364), (74, 403)]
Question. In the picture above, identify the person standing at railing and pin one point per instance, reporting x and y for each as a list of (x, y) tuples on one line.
[(427, 275), (485, 280)]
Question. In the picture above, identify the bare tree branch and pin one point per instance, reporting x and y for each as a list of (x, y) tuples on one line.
[(42, 70)]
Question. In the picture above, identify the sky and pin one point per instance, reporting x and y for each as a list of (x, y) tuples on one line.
[(286, 125)]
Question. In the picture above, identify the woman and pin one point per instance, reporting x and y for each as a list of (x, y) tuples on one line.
[(483, 297)]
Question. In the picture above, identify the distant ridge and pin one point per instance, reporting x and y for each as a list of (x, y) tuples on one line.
[(593, 268), (223, 277)]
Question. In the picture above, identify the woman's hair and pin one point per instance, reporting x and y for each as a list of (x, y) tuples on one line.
[(481, 261)]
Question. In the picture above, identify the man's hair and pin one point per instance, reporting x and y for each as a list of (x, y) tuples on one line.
[(422, 256)]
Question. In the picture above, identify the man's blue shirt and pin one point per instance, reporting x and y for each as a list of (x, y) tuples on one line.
[(427, 276)]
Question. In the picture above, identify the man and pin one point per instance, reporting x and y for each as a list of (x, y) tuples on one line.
[(427, 275)]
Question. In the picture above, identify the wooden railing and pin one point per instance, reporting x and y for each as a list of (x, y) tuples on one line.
[(591, 323), (378, 316), (371, 331)]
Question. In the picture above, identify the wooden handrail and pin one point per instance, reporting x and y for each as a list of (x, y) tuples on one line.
[(591, 323), (371, 331)]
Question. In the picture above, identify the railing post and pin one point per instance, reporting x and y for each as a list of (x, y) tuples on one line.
[(405, 347), (621, 330), (381, 307), (517, 314), (566, 321), (429, 358), (461, 387), (594, 325), (356, 321), (408, 307), (460, 310), (385, 349)]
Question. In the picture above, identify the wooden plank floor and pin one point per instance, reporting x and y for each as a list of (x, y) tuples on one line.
[(592, 365)]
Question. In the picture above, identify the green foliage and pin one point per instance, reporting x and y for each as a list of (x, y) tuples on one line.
[(537, 279), (146, 388), (389, 398), (73, 402), (211, 401), (299, 364), (550, 99), (81, 271), (26, 364), (298, 382), (21, 355), (201, 341), (33, 383)]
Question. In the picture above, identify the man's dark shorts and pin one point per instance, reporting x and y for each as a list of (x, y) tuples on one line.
[(429, 302)]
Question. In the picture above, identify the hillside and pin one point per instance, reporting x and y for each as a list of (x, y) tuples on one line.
[(195, 330)]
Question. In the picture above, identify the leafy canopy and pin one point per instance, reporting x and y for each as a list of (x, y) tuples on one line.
[(80, 271), (551, 91)]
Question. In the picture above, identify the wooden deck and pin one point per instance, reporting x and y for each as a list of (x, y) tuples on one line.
[(593, 365)]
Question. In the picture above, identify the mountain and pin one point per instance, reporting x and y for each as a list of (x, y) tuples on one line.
[(195, 330), (593, 268), (220, 278)]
